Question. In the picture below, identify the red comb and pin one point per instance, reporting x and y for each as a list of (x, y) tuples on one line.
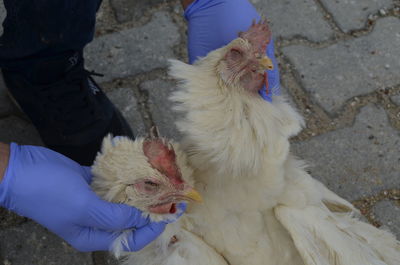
[(259, 35), (161, 157)]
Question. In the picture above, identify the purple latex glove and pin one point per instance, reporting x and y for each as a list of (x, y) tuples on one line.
[(215, 23), (54, 191)]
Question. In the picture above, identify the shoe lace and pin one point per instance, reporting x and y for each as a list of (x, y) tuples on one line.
[(68, 102)]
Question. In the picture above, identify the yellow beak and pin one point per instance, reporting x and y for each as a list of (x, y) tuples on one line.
[(266, 63), (193, 195)]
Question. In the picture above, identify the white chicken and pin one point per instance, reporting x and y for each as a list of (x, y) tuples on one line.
[(260, 205), (151, 174)]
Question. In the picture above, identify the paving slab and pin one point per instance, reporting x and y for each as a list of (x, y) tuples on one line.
[(285, 93), (104, 258), (388, 213), (291, 18), (31, 244), (9, 219), (357, 161), (396, 99), (126, 10), (338, 72), (14, 129), (105, 18), (161, 107), (353, 14), (125, 101), (129, 52)]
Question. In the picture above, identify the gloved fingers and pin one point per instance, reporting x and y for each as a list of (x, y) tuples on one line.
[(273, 75), (215, 23), (272, 86), (143, 236), (89, 239), (182, 206), (113, 216), (181, 210), (87, 174)]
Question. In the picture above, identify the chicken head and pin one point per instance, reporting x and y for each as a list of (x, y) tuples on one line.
[(245, 62), (146, 173), (168, 187)]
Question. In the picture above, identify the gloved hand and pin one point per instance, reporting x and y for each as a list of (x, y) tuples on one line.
[(54, 191), (215, 23)]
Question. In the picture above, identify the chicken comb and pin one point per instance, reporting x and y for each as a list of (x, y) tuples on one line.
[(259, 35), (161, 156)]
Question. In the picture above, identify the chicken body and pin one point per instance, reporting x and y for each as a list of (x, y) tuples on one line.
[(238, 145), (260, 206)]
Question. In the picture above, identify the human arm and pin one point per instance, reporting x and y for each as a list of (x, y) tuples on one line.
[(54, 191)]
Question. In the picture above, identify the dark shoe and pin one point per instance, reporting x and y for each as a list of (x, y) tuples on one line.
[(67, 107)]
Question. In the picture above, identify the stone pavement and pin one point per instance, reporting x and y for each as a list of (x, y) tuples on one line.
[(340, 65)]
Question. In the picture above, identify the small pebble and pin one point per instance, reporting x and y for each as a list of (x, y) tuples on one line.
[(382, 12)]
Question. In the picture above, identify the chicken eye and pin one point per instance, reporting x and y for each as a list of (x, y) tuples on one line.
[(235, 54), (147, 187), (151, 183)]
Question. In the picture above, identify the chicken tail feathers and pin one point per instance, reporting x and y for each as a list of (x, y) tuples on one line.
[(323, 237)]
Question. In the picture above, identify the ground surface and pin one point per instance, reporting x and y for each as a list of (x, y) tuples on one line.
[(339, 64)]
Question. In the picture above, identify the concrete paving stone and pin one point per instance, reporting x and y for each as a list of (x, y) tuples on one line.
[(353, 14), (104, 258), (286, 94), (356, 161), (295, 17), (17, 130), (125, 101), (105, 18), (6, 105), (126, 10), (8, 219), (349, 68), (388, 213), (135, 50), (396, 99), (31, 244), (161, 107)]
